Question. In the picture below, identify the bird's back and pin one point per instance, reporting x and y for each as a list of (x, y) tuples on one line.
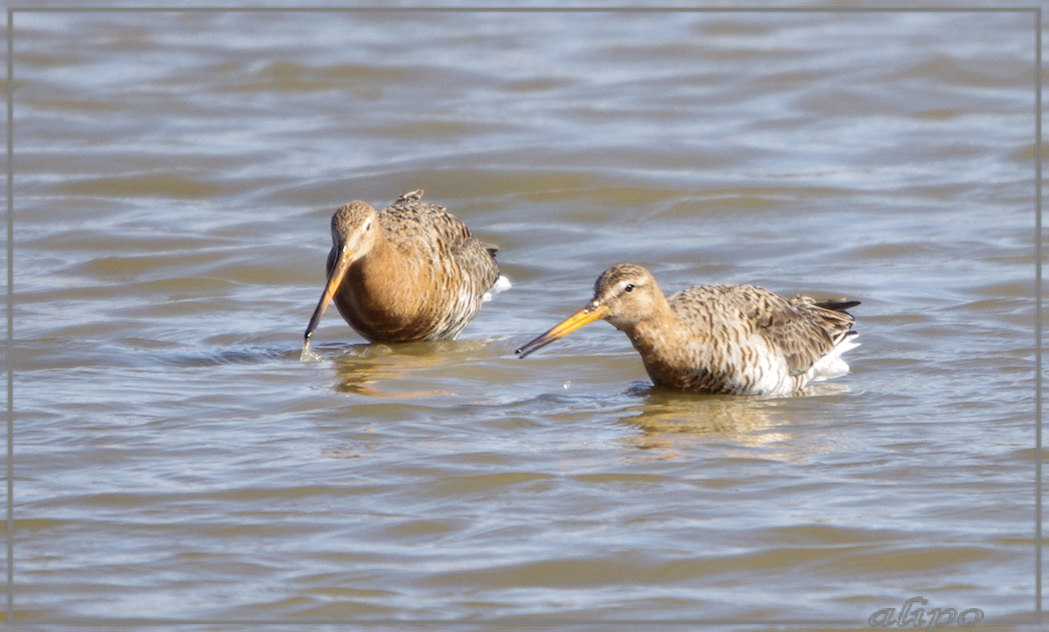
[(750, 326), (440, 238)]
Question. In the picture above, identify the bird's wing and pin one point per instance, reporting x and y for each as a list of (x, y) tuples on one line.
[(423, 226), (800, 330)]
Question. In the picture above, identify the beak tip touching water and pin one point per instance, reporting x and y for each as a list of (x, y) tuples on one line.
[(307, 355), (331, 287)]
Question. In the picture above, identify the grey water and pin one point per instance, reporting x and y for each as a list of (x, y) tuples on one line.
[(174, 174)]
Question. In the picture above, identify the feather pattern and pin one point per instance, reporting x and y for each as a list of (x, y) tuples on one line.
[(410, 271), (733, 339)]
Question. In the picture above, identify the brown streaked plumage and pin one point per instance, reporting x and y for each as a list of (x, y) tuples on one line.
[(732, 339), (410, 271)]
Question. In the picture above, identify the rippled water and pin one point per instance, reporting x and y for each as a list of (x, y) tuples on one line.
[(174, 176)]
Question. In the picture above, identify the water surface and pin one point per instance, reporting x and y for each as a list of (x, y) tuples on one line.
[(174, 177)]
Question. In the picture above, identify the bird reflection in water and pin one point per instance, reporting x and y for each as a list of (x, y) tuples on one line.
[(397, 370), (669, 421)]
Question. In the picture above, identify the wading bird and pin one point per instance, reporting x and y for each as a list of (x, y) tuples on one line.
[(410, 271), (732, 339)]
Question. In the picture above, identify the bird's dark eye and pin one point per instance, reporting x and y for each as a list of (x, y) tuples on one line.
[(629, 287)]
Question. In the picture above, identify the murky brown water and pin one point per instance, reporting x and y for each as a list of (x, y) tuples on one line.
[(174, 176)]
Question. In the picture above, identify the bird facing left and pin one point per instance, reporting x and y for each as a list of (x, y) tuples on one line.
[(408, 272)]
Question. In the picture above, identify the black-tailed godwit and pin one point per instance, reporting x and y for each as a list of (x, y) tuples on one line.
[(410, 271), (732, 339)]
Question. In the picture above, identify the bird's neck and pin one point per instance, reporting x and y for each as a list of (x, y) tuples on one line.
[(660, 329)]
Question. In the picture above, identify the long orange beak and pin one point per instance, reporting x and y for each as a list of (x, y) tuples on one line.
[(583, 317), (335, 277)]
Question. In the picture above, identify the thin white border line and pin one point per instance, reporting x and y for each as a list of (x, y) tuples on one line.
[(535, 9), (9, 343), (9, 339), (548, 8), (1038, 314)]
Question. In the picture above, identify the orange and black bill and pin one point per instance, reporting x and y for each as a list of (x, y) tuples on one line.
[(583, 317), (335, 277)]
